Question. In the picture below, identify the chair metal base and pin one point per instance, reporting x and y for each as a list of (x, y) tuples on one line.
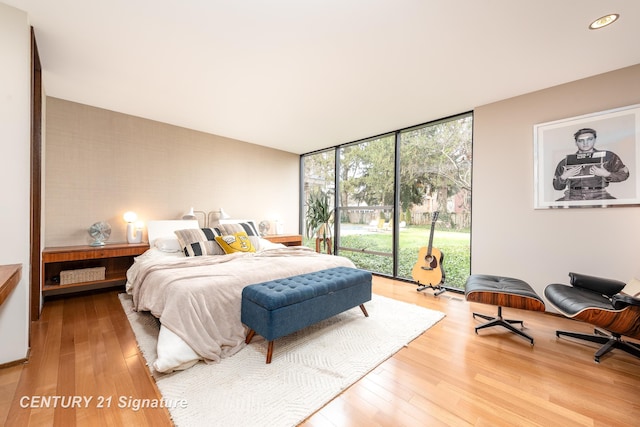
[(500, 321), (610, 342)]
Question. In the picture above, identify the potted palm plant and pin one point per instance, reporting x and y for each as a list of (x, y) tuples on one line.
[(318, 218)]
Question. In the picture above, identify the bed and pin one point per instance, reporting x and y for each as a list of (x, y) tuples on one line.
[(191, 279)]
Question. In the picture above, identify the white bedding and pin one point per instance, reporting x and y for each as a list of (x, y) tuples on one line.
[(197, 299)]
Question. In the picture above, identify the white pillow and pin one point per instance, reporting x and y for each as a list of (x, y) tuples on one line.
[(168, 244), (266, 244)]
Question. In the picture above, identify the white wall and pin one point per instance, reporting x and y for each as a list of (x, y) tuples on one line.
[(509, 237), (15, 177)]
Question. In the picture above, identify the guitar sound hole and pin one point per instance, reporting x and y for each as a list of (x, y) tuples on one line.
[(431, 260)]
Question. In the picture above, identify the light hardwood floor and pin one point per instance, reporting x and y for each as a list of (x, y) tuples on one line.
[(83, 346)]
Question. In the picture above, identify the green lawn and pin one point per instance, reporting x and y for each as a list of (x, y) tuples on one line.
[(455, 247)]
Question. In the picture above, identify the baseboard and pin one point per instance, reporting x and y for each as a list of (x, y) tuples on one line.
[(17, 362)]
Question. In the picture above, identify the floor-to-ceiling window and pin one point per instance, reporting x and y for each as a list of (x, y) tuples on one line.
[(435, 176), (318, 185), (366, 183), (396, 194)]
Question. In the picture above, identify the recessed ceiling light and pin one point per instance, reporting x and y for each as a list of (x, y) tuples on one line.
[(604, 21)]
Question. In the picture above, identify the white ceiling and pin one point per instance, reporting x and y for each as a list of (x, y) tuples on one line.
[(301, 75)]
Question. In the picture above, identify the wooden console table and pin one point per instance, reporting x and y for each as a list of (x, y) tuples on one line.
[(9, 278)]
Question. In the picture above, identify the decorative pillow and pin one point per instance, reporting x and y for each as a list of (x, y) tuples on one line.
[(199, 241), (236, 242), (168, 244), (213, 248), (247, 227)]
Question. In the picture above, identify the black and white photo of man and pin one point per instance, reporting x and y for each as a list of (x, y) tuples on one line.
[(586, 174)]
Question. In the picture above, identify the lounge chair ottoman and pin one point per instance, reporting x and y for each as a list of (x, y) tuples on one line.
[(503, 292)]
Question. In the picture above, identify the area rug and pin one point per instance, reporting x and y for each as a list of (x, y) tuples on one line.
[(309, 368)]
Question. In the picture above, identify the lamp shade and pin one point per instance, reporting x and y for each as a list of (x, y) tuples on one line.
[(130, 216), (189, 215)]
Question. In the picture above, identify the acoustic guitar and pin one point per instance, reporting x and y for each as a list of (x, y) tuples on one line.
[(428, 271)]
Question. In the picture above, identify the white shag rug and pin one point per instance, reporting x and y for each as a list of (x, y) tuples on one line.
[(308, 369)]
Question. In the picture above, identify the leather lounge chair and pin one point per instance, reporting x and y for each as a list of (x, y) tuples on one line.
[(613, 307)]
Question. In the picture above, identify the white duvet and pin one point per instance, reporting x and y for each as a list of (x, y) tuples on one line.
[(197, 299)]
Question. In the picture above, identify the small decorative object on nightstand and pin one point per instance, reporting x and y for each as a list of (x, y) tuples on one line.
[(100, 232), (134, 229), (264, 227)]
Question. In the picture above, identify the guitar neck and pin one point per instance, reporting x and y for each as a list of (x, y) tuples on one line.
[(431, 239), (433, 227)]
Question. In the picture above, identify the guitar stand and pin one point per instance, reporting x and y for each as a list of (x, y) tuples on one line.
[(437, 290)]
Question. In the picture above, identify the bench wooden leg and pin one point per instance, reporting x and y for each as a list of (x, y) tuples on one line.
[(249, 336), (269, 351), (248, 339), (364, 310)]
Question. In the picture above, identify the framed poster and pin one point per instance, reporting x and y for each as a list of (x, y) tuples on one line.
[(588, 161)]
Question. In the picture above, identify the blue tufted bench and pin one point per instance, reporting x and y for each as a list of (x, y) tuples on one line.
[(280, 307)]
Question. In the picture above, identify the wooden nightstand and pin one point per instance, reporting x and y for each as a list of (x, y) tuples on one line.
[(285, 239), (116, 258)]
